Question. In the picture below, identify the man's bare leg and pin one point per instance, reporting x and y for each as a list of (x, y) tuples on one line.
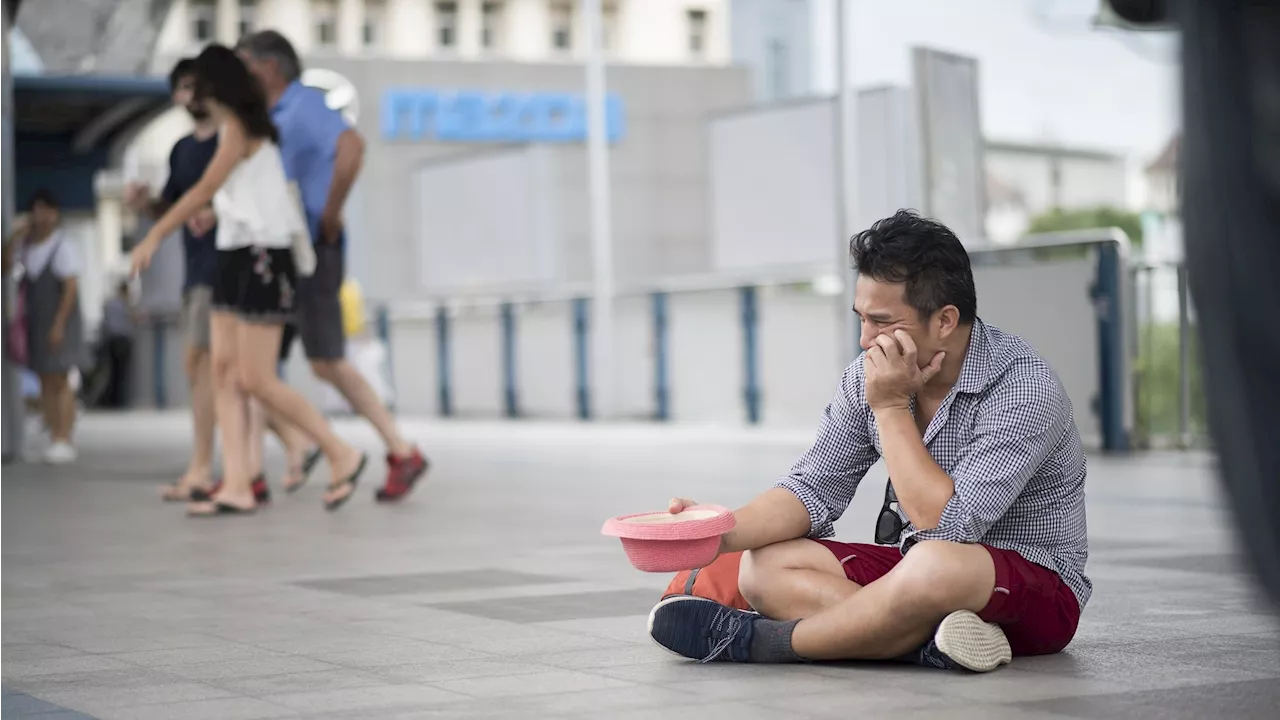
[(363, 400), (793, 580), (199, 473), (297, 446), (887, 619), (899, 612)]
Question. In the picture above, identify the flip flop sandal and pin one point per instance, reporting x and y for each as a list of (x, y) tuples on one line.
[(304, 471), (170, 493), (351, 480), (221, 508)]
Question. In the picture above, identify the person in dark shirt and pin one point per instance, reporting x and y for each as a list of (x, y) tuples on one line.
[(187, 162)]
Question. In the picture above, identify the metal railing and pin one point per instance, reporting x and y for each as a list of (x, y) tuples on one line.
[(1168, 389)]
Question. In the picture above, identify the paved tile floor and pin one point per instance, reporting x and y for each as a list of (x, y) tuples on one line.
[(491, 594)]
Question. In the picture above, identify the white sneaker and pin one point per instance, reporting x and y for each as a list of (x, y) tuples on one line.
[(60, 453)]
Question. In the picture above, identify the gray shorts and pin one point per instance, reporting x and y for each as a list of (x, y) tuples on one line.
[(319, 317), (196, 304)]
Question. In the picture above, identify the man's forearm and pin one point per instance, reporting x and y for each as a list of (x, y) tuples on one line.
[(346, 166), (774, 516), (922, 487)]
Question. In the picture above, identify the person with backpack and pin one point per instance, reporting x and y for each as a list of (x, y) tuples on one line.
[(54, 333)]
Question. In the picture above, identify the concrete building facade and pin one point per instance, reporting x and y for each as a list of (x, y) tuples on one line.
[(635, 31)]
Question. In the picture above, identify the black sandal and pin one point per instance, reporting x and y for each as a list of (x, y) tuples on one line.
[(351, 480), (170, 493), (304, 471), (221, 508)]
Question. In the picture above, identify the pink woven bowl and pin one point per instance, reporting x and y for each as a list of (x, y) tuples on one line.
[(663, 542)]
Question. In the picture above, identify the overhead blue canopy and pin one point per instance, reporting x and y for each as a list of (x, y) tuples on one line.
[(65, 127)]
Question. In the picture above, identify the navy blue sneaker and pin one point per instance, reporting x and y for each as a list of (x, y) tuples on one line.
[(702, 629), (964, 641)]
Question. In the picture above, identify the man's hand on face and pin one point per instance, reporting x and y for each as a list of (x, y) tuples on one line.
[(893, 371)]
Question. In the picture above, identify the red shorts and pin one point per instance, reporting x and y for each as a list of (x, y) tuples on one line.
[(1036, 610)]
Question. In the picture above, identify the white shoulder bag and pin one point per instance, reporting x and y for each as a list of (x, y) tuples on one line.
[(304, 253)]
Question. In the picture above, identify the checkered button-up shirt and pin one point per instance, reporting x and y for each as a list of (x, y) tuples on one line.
[(1006, 436)]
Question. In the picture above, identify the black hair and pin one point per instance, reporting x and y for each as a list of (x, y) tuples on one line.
[(43, 196), (271, 44), (222, 76), (924, 255), (184, 68)]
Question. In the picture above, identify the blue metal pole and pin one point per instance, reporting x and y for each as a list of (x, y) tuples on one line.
[(661, 392), (383, 320), (1111, 347), (442, 361), (751, 390), (509, 359), (580, 343)]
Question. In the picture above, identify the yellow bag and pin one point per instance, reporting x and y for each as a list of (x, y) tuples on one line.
[(352, 300)]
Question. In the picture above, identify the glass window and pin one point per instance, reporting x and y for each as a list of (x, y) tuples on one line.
[(324, 19), (561, 26), (491, 16), (697, 32), (447, 24), (248, 16), (375, 19), (204, 20)]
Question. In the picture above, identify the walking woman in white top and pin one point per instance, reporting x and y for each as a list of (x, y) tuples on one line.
[(253, 293)]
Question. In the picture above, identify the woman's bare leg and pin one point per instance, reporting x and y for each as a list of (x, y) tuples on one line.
[(257, 438), (232, 409), (258, 353)]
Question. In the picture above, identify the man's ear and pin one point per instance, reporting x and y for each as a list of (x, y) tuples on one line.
[(948, 319)]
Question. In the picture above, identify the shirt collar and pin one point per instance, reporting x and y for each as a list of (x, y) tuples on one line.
[(978, 371), (288, 95)]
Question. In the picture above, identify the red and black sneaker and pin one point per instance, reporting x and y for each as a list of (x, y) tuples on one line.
[(402, 473), (261, 492)]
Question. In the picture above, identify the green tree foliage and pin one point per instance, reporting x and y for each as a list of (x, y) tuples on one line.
[(1059, 220)]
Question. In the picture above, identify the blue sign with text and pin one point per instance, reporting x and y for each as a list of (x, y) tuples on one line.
[(479, 116)]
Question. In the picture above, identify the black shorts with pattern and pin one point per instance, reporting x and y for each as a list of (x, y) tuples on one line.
[(256, 284)]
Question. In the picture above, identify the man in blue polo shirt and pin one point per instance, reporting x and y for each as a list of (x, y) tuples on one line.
[(322, 153)]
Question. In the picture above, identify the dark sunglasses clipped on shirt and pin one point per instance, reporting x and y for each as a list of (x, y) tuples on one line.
[(889, 524)]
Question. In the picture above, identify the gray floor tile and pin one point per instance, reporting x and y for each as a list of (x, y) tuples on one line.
[(375, 586), (114, 604), (366, 699), (537, 683), (432, 672), (550, 608), (1250, 700), (225, 652), (258, 686), (1209, 564), (221, 709), (283, 665), (129, 697), (20, 704), (62, 666)]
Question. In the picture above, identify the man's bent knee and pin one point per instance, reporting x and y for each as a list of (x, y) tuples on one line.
[(942, 577), (327, 369), (761, 568)]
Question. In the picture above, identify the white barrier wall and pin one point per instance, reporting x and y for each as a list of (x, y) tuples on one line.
[(1049, 304), (706, 365), (545, 378)]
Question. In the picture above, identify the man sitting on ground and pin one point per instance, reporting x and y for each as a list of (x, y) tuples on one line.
[(986, 505)]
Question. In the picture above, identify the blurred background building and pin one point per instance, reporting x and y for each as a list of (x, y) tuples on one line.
[(728, 202)]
